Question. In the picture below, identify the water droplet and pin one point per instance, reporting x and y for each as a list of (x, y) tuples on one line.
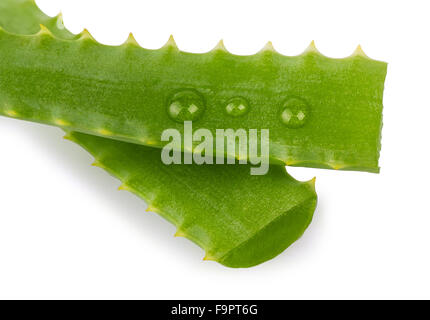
[(295, 113), (237, 106), (186, 105)]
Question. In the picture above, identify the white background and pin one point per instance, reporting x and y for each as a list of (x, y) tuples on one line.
[(66, 232)]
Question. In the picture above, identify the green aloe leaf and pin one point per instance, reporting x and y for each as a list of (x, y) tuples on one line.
[(238, 219), (321, 112)]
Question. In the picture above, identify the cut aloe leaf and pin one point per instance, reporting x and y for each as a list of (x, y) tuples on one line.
[(238, 219), (320, 112)]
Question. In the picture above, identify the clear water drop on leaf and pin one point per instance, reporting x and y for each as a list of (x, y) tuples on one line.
[(186, 105), (295, 113), (237, 107)]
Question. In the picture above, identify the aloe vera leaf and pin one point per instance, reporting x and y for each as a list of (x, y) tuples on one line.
[(321, 112), (238, 219), (25, 17)]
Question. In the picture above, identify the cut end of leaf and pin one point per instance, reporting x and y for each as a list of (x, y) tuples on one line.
[(274, 238)]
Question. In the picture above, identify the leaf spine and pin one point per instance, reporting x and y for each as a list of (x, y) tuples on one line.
[(336, 165), (103, 132), (220, 46), (61, 122), (59, 22), (208, 257), (311, 183), (11, 113), (312, 48), (151, 208), (131, 41), (171, 44), (44, 31), (125, 187), (268, 47), (180, 233), (151, 142), (291, 162), (98, 164), (69, 136), (85, 35), (359, 52)]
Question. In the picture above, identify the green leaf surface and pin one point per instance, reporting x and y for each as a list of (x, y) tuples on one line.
[(238, 219), (321, 112)]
